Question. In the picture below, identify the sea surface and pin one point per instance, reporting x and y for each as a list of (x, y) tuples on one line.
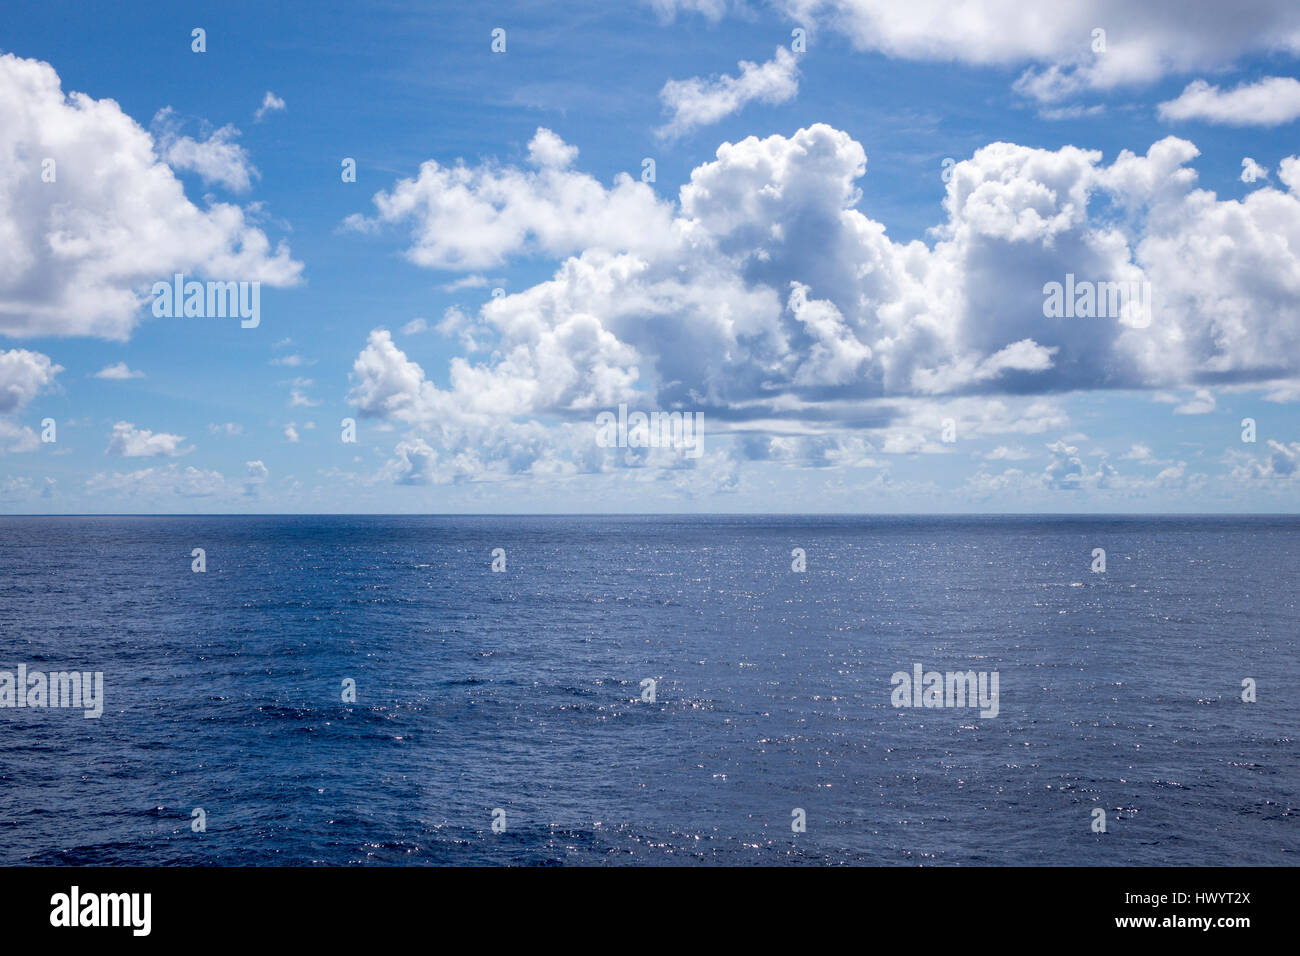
[(521, 691)]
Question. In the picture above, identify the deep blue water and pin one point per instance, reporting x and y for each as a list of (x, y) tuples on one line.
[(521, 690)]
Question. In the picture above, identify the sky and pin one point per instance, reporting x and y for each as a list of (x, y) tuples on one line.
[(886, 256)]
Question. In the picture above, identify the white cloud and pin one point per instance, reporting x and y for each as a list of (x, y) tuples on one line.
[(78, 255), (298, 397), (770, 301), (467, 282), (1006, 453), (22, 374), (228, 429), (1289, 172), (836, 355), (1283, 391), (548, 151), (415, 327), (1283, 463), (415, 463), (700, 102), (15, 488), (1143, 42), (155, 484), (469, 218), (464, 328), (16, 438), (1271, 101), (667, 9), (270, 104), (118, 371), (128, 441), (291, 433), (1068, 472), (1202, 403), (810, 451), (217, 159), (1023, 356), (254, 478)]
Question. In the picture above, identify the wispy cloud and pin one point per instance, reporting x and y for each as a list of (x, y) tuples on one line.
[(117, 372), (270, 104), (701, 102)]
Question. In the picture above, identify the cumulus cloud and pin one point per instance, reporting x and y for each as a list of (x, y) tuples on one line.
[(217, 159), (415, 463), (16, 438), (1068, 473), (23, 374), (78, 255), (548, 151), (1271, 101), (1066, 470), (462, 326), (118, 372), (1289, 172), (700, 102), (1282, 463), (813, 451), (458, 453), (128, 441), (836, 355), (254, 478), (768, 300), (471, 218)]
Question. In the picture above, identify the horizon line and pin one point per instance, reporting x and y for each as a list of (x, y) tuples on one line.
[(658, 514)]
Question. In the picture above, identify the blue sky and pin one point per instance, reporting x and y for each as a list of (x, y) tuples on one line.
[(858, 322)]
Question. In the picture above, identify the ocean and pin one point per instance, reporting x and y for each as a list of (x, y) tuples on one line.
[(521, 697)]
